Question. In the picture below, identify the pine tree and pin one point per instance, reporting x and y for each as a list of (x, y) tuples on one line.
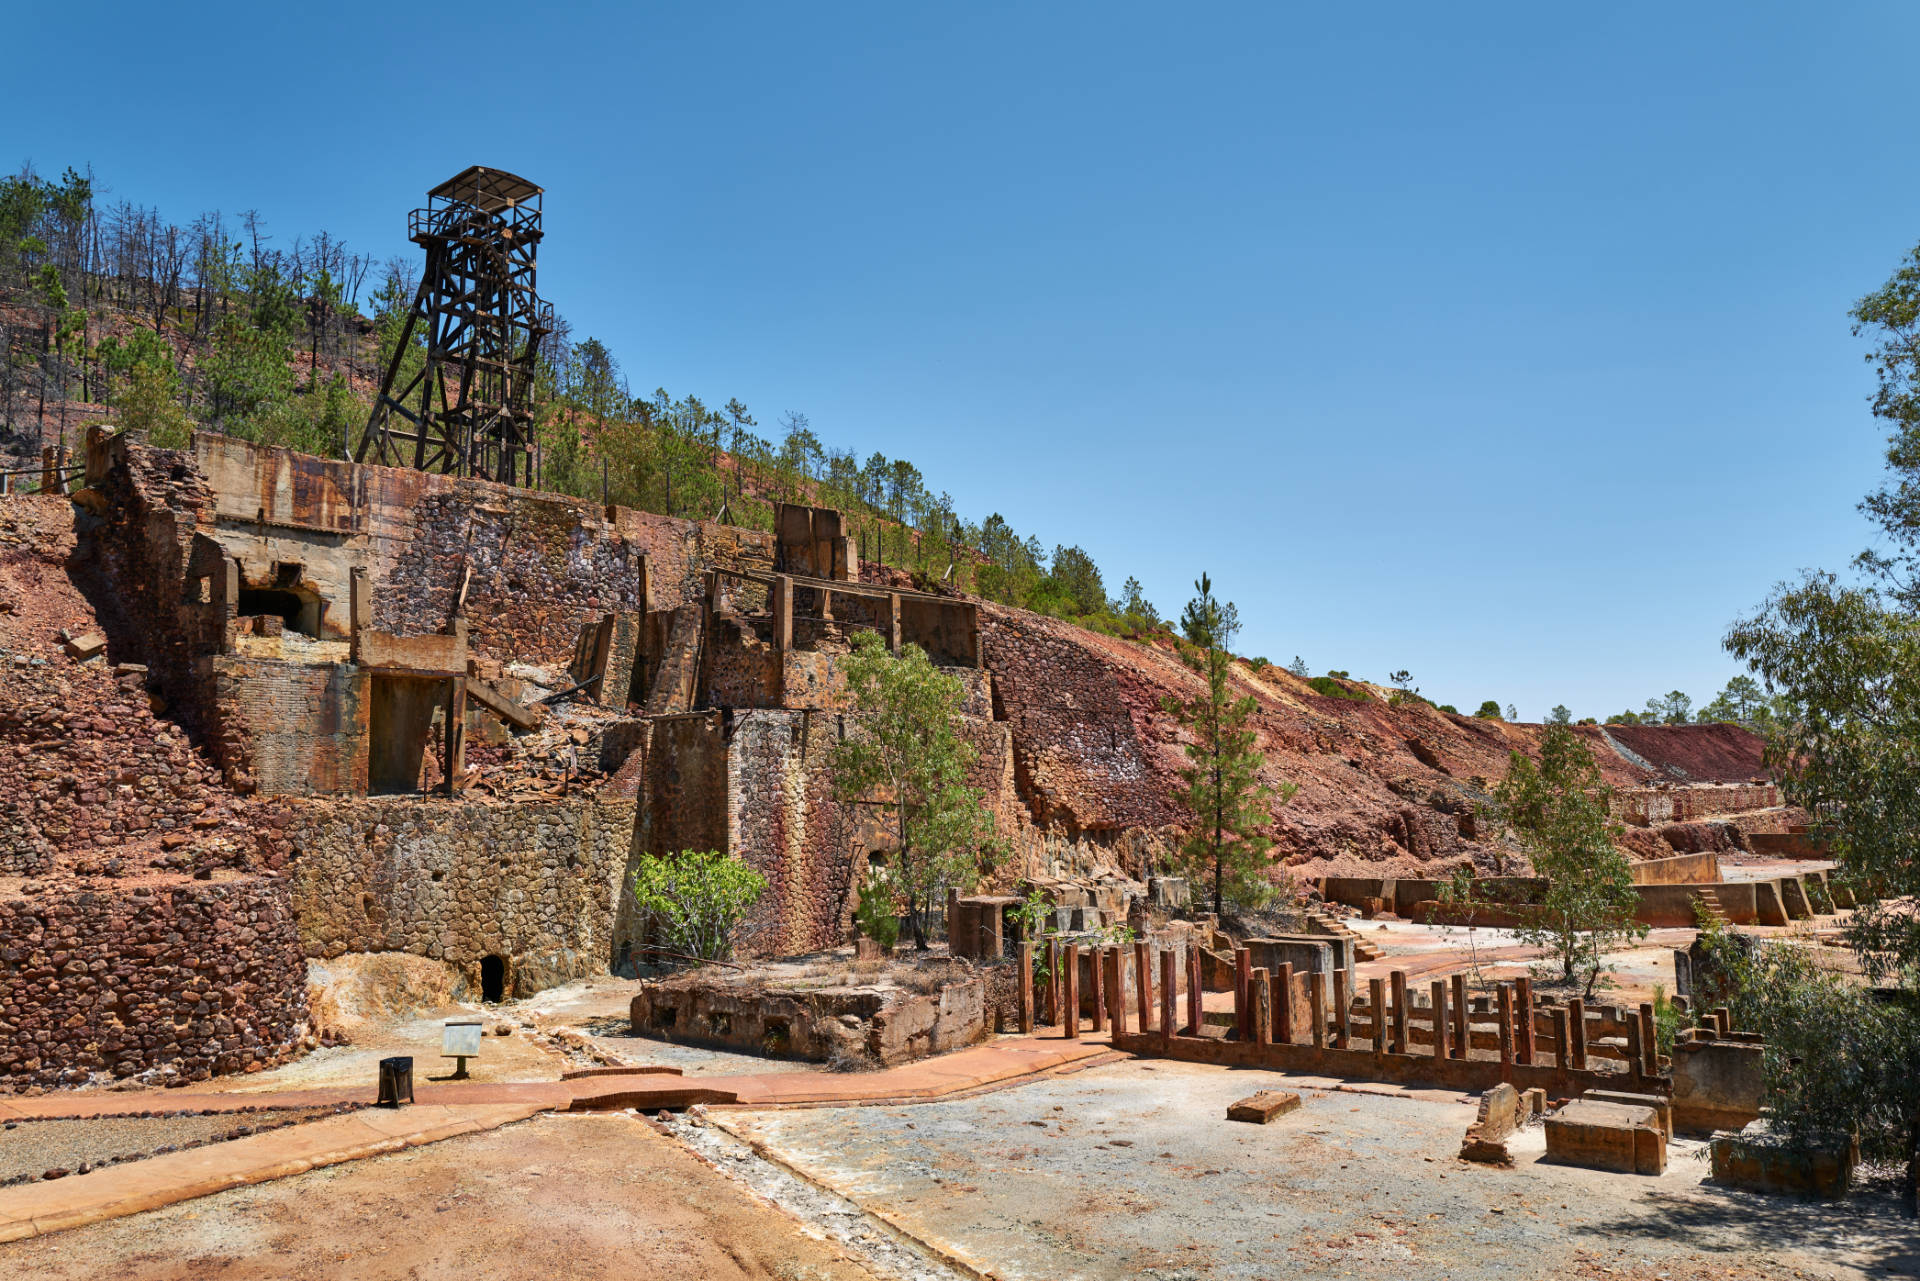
[(1220, 784)]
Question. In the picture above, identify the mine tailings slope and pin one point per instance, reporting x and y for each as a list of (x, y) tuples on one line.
[(1383, 790)]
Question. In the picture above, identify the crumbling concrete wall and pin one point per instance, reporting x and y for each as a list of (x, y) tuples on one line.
[(535, 883), (1647, 806), (1681, 869), (199, 977), (880, 1024)]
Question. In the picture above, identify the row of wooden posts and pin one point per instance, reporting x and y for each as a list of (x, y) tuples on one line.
[(54, 470), (1264, 1009)]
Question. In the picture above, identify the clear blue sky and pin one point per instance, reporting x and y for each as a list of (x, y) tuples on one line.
[(1507, 344)]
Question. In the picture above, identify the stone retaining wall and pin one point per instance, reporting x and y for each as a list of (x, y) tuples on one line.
[(192, 977), (534, 883)]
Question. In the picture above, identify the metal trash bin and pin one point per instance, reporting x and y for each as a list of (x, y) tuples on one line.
[(396, 1081)]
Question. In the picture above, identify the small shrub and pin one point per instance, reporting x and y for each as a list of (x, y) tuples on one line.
[(1331, 688), (1667, 1020), (693, 900), (1032, 915), (878, 918)]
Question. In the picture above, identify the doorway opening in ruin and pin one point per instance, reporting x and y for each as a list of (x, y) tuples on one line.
[(493, 978), (400, 713)]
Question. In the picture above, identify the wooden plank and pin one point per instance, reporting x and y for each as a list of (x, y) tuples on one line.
[(500, 705)]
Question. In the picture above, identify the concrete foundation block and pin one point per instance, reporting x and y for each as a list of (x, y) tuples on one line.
[(1607, 1136), (1263, 1107)]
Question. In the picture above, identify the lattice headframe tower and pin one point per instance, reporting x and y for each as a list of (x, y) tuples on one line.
[(463, 409)]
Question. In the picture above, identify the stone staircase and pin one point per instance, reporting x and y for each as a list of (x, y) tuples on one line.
[(1709, 900), (1362, 950)]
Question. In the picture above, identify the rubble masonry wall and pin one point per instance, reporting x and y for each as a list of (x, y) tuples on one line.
[(535, 883), (205, 976)]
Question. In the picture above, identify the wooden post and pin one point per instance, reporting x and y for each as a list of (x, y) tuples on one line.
[(893, 622), (782, 612), (1562, 1037), (1399, 978), (1117, 991), (1196, 1015), (1283, 1004), (1649, 1041), (1317, 1009), (1462, 1029), (1098, 970), (456, 733), (1523, 1020), (1576, 1047), (1070, 993), (1054, 1002), (1506, 1031), (1439, 994), (1377, 1011), (1262, 1008), (1243, 993), (1143, 986), (1166, 996), (1635, 1060), (1026, 989), (1342, 1009)]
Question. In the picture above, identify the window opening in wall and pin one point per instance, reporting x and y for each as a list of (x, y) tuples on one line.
[(777, 1038), (256, 602), (493, 978)]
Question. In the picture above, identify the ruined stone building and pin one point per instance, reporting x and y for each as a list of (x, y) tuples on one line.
[(351, 709)]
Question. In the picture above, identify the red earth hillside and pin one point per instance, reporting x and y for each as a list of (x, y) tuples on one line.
[(1383, 790)]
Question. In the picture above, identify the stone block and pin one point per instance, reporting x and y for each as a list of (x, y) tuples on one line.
[(1263, 1107), (1661, 1107), (1607, 1136), (1757, 1161), (86, 646), (1717, 1085)]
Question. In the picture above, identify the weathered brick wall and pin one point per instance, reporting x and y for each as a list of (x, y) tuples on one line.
[(86, 765), (535, 883), (542, 564), (685, 786), (194, 977), (786, 825), (290, 729)]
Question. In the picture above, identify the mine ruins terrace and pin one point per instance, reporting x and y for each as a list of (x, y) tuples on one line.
[(303, 761)]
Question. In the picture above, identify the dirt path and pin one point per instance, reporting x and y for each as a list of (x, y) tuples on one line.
[(558, 1196)]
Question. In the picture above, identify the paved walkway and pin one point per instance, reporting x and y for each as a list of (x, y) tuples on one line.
[(445, 1109)]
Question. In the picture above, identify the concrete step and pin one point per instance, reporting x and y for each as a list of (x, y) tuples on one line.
[(1710, 901)]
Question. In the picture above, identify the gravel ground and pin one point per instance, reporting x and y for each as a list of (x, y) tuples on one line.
[(885, 1252), (1131, 1170), (34, 1147)]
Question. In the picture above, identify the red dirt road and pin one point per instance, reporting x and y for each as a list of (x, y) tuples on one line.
[(559, 1196)]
